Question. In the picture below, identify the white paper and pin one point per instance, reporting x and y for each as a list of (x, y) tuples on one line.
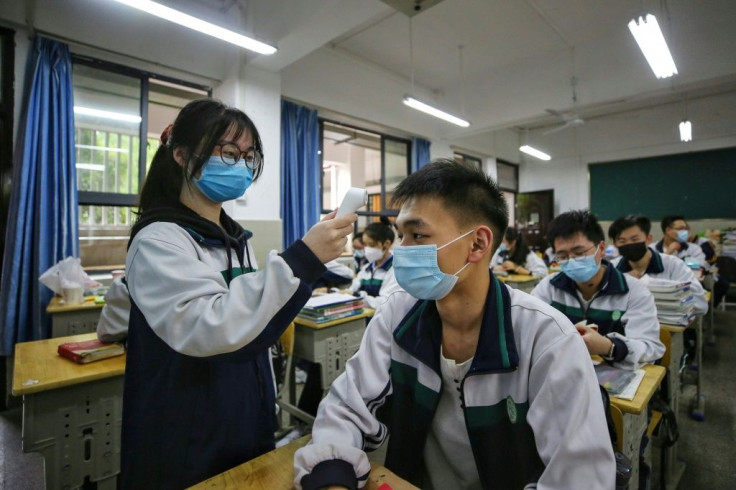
[(630, 391)]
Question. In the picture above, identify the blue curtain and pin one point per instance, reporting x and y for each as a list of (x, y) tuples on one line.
[(300, 172), (42, 219), (419, 153)]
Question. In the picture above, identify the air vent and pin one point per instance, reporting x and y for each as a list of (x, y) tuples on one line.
[(411, 7)]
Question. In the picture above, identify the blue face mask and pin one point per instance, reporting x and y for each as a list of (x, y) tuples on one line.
[(416, 270), (502, 248), (683, 235), (580, 270), (220, 182)]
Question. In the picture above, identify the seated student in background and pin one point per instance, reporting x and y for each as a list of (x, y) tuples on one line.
[(476, 385), (112, 325), (359, 251), (376, 281), (674, 242), (631, 235), (721, 283), (337, 275), (513, 256), (622, 325)]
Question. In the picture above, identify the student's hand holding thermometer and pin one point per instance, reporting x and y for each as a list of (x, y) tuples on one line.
[(327, 239)]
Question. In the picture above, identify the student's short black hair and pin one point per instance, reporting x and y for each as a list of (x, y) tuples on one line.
[(626, 222), (667, 221), (571, 223), (469, 194), (380, 232)]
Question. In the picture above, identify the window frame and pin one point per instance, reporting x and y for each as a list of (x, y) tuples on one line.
[(383, 137), (93, 198), (516, 172), (467, 158)]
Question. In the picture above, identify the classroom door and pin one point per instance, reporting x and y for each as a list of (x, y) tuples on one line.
[(534, 211)]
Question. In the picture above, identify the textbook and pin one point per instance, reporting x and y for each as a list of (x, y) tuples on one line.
[(90, 350), (333, 306), (616, 381)]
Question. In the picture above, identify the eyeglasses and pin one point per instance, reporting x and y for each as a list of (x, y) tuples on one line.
[(230, 154), (564, 257)]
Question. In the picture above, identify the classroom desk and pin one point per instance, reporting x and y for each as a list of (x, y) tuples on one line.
[(275, 471), (73, 319), (522, 282), (72, 413), (635, 419)]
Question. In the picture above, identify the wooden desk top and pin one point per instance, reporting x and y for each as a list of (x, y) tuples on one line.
[(39, 368), (518, 278), (57, 305), (275, 471), (367, 312), (676, 328), (707, 296), (653, 377)]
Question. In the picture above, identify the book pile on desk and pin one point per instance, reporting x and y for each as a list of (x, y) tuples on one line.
[(329, 307), (729, 244), (675, 302)]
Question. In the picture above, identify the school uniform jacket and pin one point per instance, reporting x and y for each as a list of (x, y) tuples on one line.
[(375, 284), (199, 394), (623, 309), (687, 250), (663, 266), (533, 263), (531, 402)]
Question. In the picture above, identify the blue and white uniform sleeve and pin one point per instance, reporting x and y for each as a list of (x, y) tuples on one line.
[(535, 265), (188, 304), (388, 287), (113, 323), (641, 326), (346, 420)]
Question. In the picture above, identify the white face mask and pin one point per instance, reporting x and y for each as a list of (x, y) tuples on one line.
[(373, 254)]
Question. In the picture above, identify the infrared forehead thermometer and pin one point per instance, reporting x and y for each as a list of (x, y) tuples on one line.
[(354, 199)]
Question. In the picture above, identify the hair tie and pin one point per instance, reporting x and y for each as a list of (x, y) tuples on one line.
[(165, 134)]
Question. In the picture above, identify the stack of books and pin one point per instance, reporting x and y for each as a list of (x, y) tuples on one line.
[(674, 300), (729, 244), (329, 307)]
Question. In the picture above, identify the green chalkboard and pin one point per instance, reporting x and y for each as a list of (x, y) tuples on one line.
[(698, 185)]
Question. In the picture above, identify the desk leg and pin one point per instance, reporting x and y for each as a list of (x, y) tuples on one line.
[(711, 325), (634, 427), (77, 430), (673, 468), (697, 407)]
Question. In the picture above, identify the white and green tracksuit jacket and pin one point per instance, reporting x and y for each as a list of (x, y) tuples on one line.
[(531, 401), (623, 309)]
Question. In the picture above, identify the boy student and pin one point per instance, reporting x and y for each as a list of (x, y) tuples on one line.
[(619, 310), (630, 234), (674, 242), (477, 385)]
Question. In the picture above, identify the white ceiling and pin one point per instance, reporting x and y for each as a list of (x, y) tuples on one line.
[(353, 56)]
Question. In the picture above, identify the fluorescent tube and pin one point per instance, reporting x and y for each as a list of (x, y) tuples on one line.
[(534, 152), (116, 116), (199, 25), (433, 111), (651, 42), (686, 131)]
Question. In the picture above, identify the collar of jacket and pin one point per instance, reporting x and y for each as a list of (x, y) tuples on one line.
[(613, 281), (660, 246), (655, 265), (385, 266), (420, 334)]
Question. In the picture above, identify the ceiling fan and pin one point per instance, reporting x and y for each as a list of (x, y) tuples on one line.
[(568, 120)]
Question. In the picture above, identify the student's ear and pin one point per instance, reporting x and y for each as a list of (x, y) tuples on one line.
[(180, 156), (649, 240), (482, 243), (387, 244)]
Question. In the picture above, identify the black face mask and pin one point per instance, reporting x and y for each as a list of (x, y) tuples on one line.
[(633, 251)]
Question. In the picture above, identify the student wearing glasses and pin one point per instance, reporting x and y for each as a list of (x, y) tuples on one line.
[(514, 257), (614, 313), (675, 241), (199, 393)]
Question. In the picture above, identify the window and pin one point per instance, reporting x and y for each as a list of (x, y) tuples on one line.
[(508, 182), (354, 157), (115, 108), (468, 161)]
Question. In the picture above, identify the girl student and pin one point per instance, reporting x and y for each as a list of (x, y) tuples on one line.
[(375, 281), (514, 257), (199, 396)]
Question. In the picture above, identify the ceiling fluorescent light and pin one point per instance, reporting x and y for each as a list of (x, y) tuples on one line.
[(433, 111), (534, 152), (686, 131), (199, 25), (651, 42), (116, 116)]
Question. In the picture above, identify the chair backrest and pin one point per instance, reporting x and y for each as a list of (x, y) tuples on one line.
[(727, 267), (287, 339), (618, 422)]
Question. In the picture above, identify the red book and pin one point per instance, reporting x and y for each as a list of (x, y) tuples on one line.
[(90, 350)]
